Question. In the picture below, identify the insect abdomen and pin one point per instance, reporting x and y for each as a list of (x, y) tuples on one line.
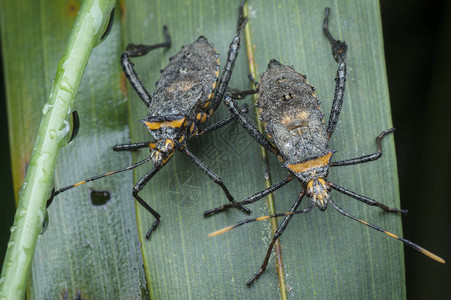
[(290, 111), (188, 80)]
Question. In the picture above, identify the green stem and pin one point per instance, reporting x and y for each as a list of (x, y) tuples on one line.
[(87, 32)]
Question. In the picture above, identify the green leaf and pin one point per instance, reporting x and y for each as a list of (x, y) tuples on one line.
[(71, 253), (95, 249)]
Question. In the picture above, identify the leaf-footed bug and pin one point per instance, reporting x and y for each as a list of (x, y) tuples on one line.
[(298, 135), (187, 94)]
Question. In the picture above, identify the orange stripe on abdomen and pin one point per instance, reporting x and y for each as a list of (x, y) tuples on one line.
[(310, 164)]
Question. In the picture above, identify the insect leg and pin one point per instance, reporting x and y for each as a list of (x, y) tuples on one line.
[(132, 147), (249, 126), (365, 200), (365, 158), (277, 234), (339, 51), (251, 199), (216, 179), (231, 58), (222, 123), (135, 51), (137, 188)]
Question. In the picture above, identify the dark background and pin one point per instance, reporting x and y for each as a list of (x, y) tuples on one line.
[(417, 38)]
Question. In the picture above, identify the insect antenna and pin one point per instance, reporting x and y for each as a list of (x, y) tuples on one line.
[(406, 242), (54, 193), (245, 221)]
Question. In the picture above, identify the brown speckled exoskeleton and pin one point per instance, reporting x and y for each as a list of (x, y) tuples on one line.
[(294, 123), (185, 97)]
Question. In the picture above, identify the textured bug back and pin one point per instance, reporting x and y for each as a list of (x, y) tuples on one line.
[(188, 79), (291, 114)]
